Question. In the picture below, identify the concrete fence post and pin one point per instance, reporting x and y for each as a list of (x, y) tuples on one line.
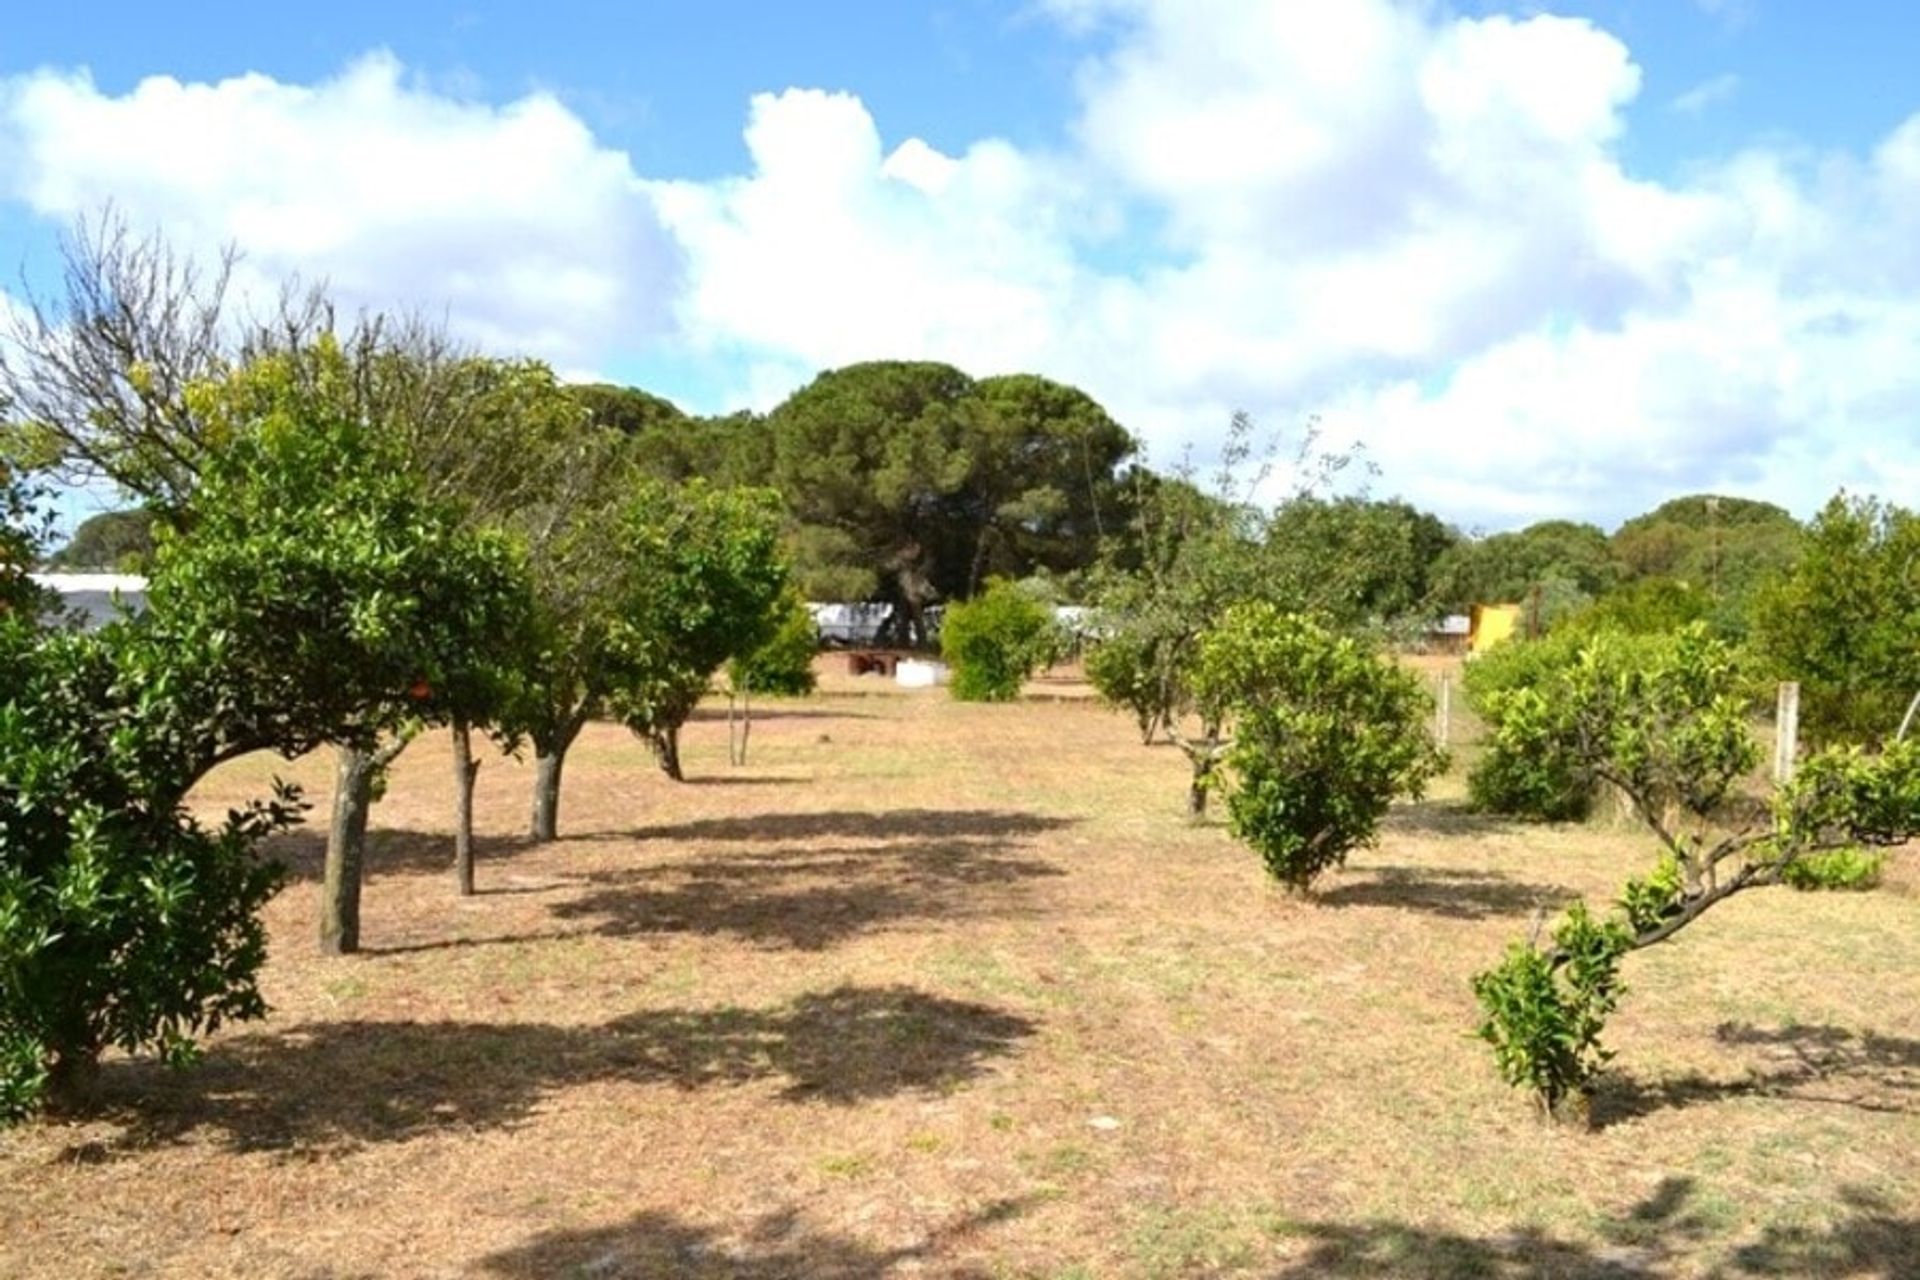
[(1786, 730)]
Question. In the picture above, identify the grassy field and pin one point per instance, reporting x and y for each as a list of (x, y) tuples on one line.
[(943, 990)]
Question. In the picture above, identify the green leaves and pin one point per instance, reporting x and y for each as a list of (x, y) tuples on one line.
[(1843, 622), (1543, 1011), (1326, 732), (996, 640)]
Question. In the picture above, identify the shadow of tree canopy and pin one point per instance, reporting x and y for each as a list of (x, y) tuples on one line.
[(1865, 1071), (1660, 1236), (808, 896), (1451, 893), (855, 824), (1872, 1241), (390, 851), (774, 1247), (1446, 818), (341, 1084)]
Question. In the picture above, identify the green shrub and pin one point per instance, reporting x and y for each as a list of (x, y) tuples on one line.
[(1513, 775), (123, 921), (1843, 870), (995, 641), (1545, 1010), (783, 664), (1326, 732)]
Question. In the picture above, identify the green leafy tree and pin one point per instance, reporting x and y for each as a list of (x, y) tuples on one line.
[(781, 666), (305, 596), (22, 532), (996, 640), (708, 577), (571, 655), (120, 541), (1555, 566), (910, 483), (1844, 621), (297, 477), (1664, 722), (1191, 553), (1360, 560), (1720, 549), (1326, 732), (1522, 772)]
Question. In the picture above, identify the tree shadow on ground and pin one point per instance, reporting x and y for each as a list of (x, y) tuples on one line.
[(1446, 818), (774, 1247), (1871, 1241), (807, 898), (1660, 1236), (1821, 1064), (390, 851), (886, 824), (1442, 891), (343, 1084)]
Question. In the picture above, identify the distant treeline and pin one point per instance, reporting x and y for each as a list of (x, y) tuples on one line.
[(911, 483)]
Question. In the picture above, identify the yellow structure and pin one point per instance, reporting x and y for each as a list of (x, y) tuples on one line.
[(1492, 623)]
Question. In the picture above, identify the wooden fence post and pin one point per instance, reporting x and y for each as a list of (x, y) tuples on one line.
[(1443, 712), (1786, 730)]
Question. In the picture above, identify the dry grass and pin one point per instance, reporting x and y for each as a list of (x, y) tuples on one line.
[(948, 990)]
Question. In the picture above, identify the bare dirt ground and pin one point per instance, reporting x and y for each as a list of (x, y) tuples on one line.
[(944, 990)]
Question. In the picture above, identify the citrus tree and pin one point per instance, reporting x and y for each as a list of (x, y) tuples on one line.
[(1665, 724), (1326, 732)]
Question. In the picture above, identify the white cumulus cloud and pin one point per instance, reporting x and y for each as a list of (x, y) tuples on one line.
[(512, 218)]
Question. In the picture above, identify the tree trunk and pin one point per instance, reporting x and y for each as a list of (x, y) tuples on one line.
[(466, 768), (546, 792), (739, 722), (666, 749), (1197, 790), (73, 1082), (346, 851)]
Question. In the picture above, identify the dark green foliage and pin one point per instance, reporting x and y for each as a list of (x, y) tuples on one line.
[(1138, 670), (22, 530), (117, 541), (1843, 622), (1568, 564), (911, 483), (310, 568), (1356, 560), (1721, 549), (996, 640), (1326, 732), (123, 920), (308, 592)]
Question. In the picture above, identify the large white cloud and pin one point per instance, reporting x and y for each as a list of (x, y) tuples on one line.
[(1416, 223), (514, 219)]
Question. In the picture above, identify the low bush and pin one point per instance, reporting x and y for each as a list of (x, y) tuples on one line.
[(995, 641)]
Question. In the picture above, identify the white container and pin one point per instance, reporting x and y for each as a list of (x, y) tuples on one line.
[(915, 674)]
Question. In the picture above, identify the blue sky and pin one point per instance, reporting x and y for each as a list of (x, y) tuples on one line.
[(1543, 260)]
